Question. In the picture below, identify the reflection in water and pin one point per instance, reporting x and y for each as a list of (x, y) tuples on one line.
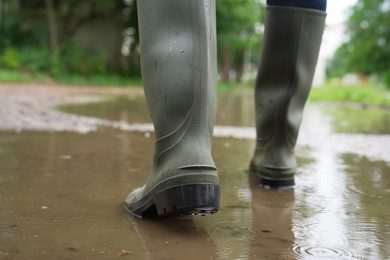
[(369, 184), (321, 222), (348, 119), (61, 193), (272, 222), (231, 228), (329, 221), (116, 108), (236, 108), (177, 238), (374, 182)]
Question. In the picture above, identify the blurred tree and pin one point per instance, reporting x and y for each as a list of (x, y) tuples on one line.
[(77, 32), (1, 11), (368, 49), (70, 15), (92, 28), (52, 21), (130, 45), (10, 29), (76, 13), (238, 31), (95, 26)]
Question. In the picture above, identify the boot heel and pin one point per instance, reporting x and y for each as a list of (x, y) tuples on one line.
[(194, 199)]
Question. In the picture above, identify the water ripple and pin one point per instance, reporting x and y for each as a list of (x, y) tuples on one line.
[(372, 193), (328, 252), (230, 230), (231, 234), (56, 216), (24, 232), (319, 230)]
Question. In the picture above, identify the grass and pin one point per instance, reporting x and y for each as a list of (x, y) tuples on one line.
[(19, 77), (366, 94), (106, 80), (223, 86), (99, 80), (361, 94)]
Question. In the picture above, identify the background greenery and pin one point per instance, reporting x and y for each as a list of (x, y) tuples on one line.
[(96, 42), (43, 37), (367, 51)]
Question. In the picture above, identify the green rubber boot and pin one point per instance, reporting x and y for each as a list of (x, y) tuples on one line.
[(292, 41), (178, 56)]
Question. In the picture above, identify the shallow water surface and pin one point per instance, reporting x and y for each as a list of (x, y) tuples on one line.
[(61, 192)]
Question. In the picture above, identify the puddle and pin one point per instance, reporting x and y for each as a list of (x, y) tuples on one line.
[(61, 191), (116, 108), (358, 119)]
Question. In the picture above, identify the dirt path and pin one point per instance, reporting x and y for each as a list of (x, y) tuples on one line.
[(31, 107)]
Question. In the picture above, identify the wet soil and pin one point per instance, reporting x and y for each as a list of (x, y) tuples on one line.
[(64, 172)]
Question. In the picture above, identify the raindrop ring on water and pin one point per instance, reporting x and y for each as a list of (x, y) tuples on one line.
[(57, 216), (318, 251)]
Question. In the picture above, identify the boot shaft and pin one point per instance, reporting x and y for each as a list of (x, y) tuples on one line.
[(292, 41), (178, 46), (179, 74), (178, 57)]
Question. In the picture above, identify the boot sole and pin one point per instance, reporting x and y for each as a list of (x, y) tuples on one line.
[(189, 199), (268, 182), (277, 183)]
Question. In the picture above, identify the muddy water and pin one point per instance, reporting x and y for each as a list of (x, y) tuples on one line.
[(61, 192)]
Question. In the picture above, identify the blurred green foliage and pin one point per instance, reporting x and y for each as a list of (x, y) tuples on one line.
[(369, 95), (9, 58), (44, 36), (239, 33), (27, 33), (368, 49), (238, 23), (86, 62), (35, 58)]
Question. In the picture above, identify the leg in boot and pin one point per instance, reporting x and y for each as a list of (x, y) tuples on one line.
[(179, 74), (292, 41)]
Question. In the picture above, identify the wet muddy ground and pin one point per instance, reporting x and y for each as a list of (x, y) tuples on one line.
[(64, 173)]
